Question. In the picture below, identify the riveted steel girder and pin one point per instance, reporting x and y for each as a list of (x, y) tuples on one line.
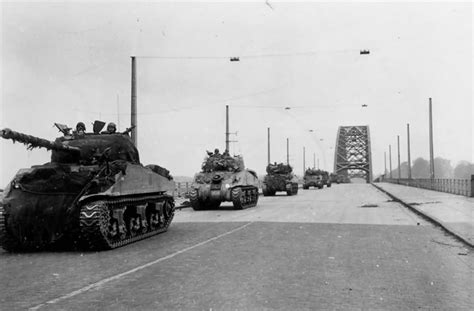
[(353, 158)]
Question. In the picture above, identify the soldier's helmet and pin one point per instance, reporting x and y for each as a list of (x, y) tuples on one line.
[(80, 127), (216, 151), (111, 127)]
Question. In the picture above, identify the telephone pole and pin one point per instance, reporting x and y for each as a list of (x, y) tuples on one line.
[(268, 130), (134, 102), (390, 159), (398, 149), (227, 128), (408, 147), (432, 169)]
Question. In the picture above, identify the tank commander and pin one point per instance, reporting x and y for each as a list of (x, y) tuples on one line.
[(111, 128), (80, 128)]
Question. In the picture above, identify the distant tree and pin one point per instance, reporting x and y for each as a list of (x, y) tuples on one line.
[(403, 169), (464, 170), (443, 168), (420, 168)]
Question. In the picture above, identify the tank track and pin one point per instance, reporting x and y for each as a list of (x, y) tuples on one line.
[(244, 197), (6, 241), (293, 189), (100, 231)]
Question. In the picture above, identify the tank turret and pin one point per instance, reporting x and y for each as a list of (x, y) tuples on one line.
[(94, 193)]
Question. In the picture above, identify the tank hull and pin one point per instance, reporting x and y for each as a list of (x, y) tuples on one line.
[(209, 190), (273, 183), (52, 204)]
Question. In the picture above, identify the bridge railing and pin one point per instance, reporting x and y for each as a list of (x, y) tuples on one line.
[(455, 186)]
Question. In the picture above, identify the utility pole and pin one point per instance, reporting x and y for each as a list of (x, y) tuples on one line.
[(432, 170), (408, 146), (227, 128), (390, 159), (288, 151), (118, 113), (385, 164), (398, 149), (134, 102), (318, 163), (304, 163), (314, 160), (268, 130)]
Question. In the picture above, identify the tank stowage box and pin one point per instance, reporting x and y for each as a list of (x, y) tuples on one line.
[(279, 177), (224, 178), (94, 193)]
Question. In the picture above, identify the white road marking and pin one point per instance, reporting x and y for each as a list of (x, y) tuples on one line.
[(120, 275)]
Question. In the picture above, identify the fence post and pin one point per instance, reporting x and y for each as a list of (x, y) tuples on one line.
[(472, 186)]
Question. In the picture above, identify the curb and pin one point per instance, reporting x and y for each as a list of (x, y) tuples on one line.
[(427, 217)]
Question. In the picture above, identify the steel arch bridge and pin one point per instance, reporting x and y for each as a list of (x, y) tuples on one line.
[(353, 157)]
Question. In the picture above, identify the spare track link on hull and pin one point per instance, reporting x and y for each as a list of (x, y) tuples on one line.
[(97, 225), (244, 197)]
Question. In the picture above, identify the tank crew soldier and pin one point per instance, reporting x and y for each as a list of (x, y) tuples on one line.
[(111, 128), (80, 129), (216, 152)]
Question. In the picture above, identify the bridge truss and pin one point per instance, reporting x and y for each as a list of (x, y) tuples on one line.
[(353, 158)]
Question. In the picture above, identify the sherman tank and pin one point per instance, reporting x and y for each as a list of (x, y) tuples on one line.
[(316, 178), (94, 193), (279, 177), (224, 178)]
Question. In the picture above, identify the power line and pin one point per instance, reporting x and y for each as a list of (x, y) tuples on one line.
[(306, 53)]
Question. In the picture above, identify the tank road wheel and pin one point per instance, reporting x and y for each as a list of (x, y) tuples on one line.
[(194, 199)]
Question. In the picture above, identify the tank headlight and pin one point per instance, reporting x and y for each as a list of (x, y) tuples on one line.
[(227, 186)]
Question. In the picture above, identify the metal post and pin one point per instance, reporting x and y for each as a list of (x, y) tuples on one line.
[(409, 156), (398, 149), (390, 159), (227, 128), (318, 163), (385, 164), (268, 146), (314, 159), (432, 170), (304, 160), (288, 151), (134, 102)]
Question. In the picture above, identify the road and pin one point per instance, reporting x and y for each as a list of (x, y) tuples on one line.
[(347, 247)]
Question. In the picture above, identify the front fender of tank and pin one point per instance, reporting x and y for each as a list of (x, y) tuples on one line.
[(135, 180)]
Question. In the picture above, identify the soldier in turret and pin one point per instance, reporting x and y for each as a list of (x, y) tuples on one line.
[(80, 129), (111, 128)]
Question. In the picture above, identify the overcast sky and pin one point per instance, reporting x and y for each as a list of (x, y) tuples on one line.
[(68, 62)]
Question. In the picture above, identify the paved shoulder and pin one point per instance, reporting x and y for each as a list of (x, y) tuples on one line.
[(453, 212)]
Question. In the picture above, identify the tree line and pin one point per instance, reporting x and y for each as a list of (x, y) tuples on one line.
[(443, 169)]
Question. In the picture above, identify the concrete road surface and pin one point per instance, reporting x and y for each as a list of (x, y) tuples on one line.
[(341, 248)]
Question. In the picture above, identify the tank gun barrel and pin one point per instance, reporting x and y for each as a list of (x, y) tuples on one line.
[(35, 142)]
